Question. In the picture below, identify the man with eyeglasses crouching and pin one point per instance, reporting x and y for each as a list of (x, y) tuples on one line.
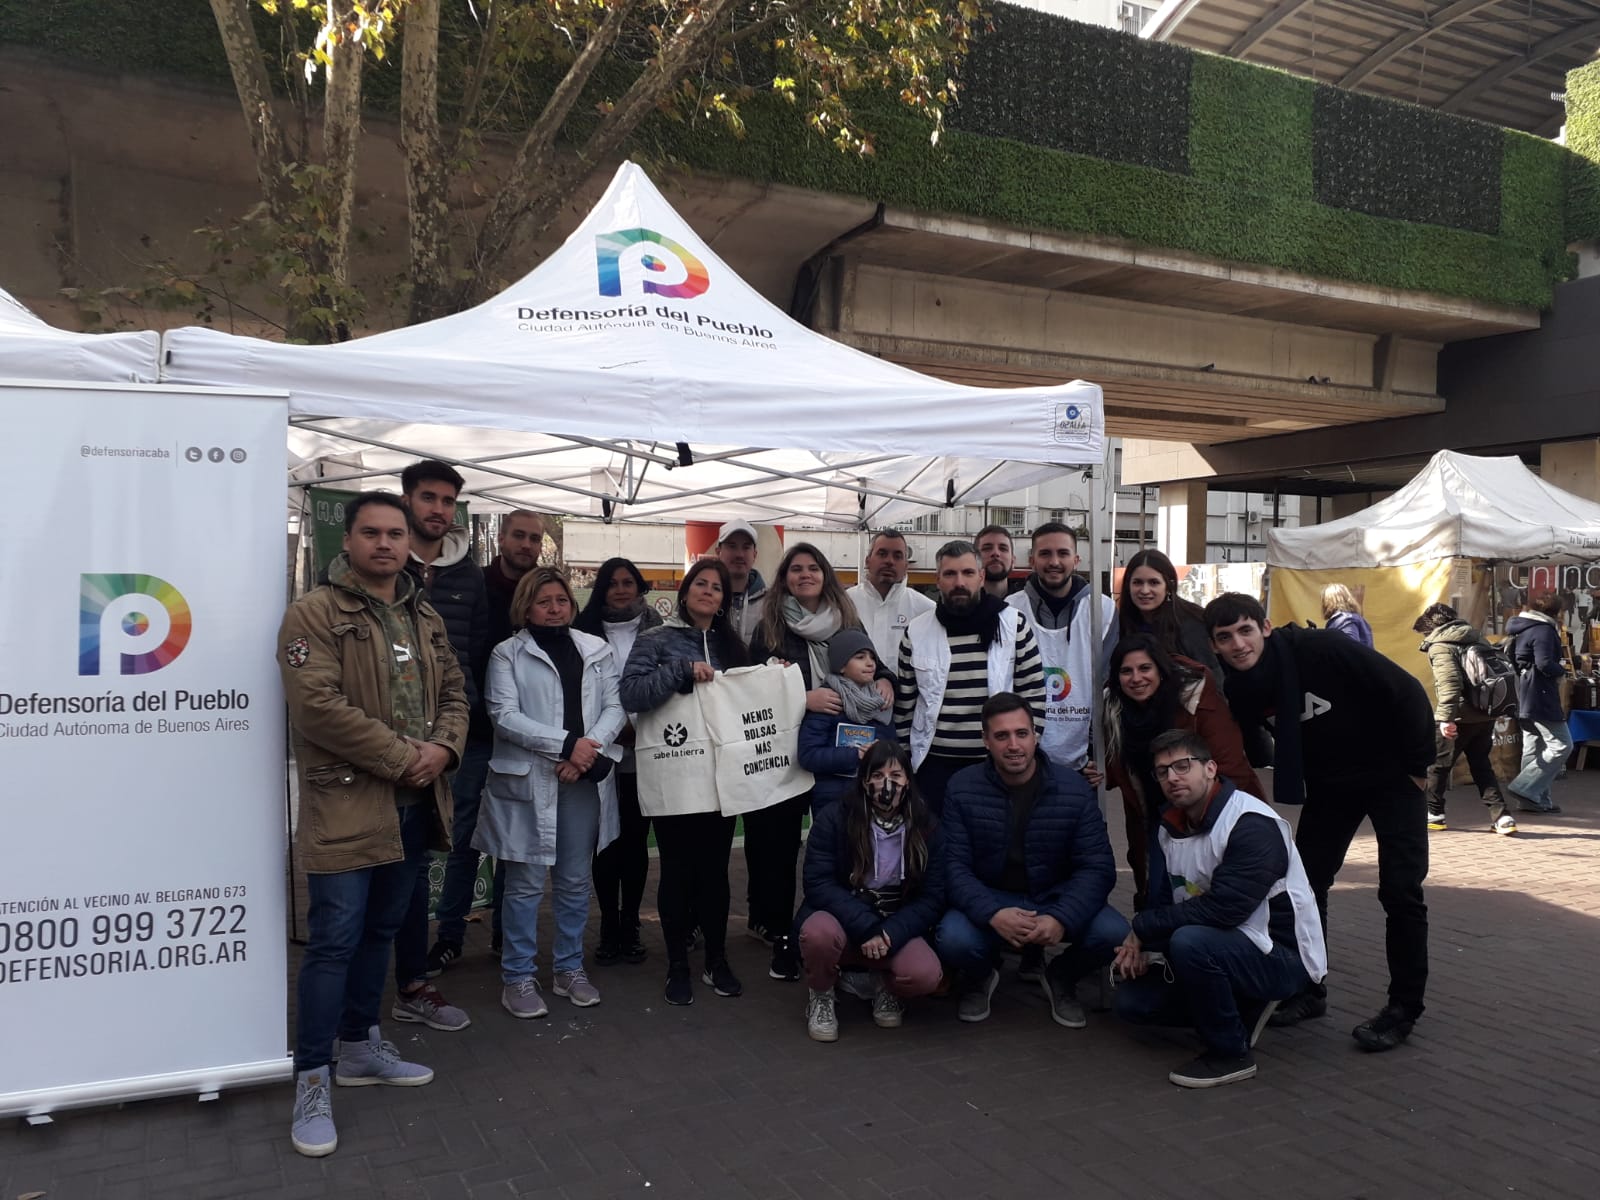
[(1241, 930)]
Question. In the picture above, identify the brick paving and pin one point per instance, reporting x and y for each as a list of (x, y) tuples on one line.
[(1495, 1095)]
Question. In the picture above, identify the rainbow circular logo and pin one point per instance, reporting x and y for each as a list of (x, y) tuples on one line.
[(99, 607), (609, 247)]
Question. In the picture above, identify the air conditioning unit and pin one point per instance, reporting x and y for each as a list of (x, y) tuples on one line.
[(1253, 516)]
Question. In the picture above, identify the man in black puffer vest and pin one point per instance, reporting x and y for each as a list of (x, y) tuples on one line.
[(441, 563)]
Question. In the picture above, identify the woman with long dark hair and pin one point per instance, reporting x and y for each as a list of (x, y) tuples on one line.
[(695, 643), (1148, 692), (617, 612), (804, 607), (1149, 603), (874, 888)]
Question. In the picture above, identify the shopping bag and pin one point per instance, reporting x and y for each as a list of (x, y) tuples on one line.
[(754, 715), (673, 751)]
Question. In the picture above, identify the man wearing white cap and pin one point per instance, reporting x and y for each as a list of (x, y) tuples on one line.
[(883, 601), (736, 547)]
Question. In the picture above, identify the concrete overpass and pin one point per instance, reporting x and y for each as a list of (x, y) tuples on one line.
[(1223, 369)]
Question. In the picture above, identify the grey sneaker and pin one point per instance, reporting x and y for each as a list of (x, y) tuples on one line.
[(887, 1011), (377, 1061), (575, 986), (522, 999), (430, 1008), (1065, 1007), (1031, 968), (312, 1132), (822, 1021), (974, 1003), (858, 983)]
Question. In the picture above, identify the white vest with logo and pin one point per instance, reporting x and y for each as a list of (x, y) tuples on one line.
[(1191, 861), (930, 659), (886, 618), (1070, 674)]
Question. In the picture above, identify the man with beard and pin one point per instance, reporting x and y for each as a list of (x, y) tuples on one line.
[(969, 647), (1054, 598), (997, 560), (443, 569), (736, 548), (883, 601), (1353, 738), (521, 538)]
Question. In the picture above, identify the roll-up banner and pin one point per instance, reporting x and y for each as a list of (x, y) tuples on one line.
[(142, 948)]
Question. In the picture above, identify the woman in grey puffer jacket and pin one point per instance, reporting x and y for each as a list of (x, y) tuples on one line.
[(694, 644)]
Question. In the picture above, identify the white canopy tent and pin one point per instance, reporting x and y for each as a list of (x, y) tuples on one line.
[(633, 375), (1458, 506), (32, 349)]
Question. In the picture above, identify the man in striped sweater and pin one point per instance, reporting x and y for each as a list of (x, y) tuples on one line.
[(970, 647)]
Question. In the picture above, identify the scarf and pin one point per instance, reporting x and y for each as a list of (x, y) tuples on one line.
[(1273, 683), (618, 615), (862, 703), (1143, 723), (556, 641), (814, 628), (982, 619)]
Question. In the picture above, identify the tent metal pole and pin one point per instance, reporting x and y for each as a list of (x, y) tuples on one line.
[(1096, 637)]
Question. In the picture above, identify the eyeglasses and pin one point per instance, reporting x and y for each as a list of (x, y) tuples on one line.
[(1178, 766)]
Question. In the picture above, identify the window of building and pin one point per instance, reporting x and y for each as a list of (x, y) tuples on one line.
[(1011, 518), (1131, 18)]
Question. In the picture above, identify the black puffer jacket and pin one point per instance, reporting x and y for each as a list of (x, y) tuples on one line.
[(454, 586), (1535, 645)]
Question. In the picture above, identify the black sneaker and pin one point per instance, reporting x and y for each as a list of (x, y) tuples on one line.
[(719, 975), (1031, 968), (632, 949), (1209, 1071), (440, 957), (1304, 1007), (680, 987), (785, 960), (1386, 1030), (758, 931), (608, 952)]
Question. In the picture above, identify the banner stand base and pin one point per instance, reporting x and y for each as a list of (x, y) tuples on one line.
[(205, 1084)]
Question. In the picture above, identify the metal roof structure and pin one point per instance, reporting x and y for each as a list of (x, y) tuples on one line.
[(1502, 61)]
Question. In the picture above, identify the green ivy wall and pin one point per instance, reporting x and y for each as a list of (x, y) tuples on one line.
[(1084, 130)]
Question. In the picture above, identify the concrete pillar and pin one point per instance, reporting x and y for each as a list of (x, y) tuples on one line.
[(1181, 522), (1572, 466)]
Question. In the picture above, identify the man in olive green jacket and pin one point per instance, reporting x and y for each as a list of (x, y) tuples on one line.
[(378, 706)]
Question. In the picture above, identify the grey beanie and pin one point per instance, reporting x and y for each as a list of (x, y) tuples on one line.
[(844, 646)]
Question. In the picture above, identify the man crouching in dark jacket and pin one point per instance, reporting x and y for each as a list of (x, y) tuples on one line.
[(1027, 863)]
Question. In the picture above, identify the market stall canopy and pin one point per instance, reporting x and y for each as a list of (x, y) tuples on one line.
[(634, 368), (1459, 506), (33, 349)]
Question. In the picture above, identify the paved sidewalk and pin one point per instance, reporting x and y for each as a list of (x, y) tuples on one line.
[(1496, 1094)]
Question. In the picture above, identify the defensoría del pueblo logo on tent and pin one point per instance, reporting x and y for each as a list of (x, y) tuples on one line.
[(681, 276), (141, 619)]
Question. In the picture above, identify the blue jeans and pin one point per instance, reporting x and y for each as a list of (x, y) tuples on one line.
[(577, 830), (1545, 746), (1212, 970), (352, 918), (962, 946), (461, 867)]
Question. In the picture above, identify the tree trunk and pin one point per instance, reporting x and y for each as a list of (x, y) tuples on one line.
[(426, 182), (255, 98)]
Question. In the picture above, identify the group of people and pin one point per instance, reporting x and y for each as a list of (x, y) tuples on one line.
[(437, 706)]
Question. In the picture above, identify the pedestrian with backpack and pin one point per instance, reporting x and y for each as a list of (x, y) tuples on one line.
[(1473, 685)]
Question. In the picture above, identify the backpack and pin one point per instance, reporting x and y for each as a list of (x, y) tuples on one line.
[(1490, 681)]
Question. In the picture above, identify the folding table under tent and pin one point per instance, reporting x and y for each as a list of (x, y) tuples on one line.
[(634, 376), (33, 349)]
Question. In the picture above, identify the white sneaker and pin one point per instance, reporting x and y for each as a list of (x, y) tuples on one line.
[(1505, 826), (887, 1010), (822, 1021)]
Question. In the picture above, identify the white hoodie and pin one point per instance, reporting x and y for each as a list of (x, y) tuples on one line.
[(886, 617)]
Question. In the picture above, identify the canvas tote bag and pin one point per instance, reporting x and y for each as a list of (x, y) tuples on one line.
[(754, 715), (673, 751)]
